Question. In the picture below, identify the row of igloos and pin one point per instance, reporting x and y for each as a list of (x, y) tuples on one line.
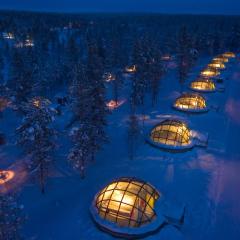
[(132, 208), (174, 134), (129, 207), (208, 79), (206, 83)]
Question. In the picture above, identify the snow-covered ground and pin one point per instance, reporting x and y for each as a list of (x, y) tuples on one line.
[(207, 180)]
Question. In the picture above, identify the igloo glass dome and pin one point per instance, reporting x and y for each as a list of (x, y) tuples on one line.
[(191, 102), (221, 58), (210, 72), (125, 206), (203, 85), (229, 55), (216, 65), (171, 134)]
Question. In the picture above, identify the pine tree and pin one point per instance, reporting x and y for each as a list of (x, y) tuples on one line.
[(139, 81), (80, 100), (183, 55), (156, 71), (1, 68), (21, 74), (98, 110), (11, 218), (36, 137), (235, 38), (133, 133)]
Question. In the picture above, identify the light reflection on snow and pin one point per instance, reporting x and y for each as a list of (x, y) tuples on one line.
[(224, 179), (115, 104), (14, 178), (232, 109), (6, 176)]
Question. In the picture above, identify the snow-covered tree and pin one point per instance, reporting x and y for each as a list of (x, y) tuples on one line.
[(139, 81), (22, 71), (235, 38), (183, 55), (133, 134), (36, 137), (81, 134), (11, 218), (98, 110), (1, 68)]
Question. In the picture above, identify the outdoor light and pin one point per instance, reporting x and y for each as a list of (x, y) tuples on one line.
[(6, 176), (131, 69), (108, 77)]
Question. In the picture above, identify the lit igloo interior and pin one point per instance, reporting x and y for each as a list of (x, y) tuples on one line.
[(217, 65), (203, 85), (191, 102), (229, 55), (127, 207), (171, 134), (210, 72)]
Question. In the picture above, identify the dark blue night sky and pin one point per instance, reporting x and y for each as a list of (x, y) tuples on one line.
[(162, 6)]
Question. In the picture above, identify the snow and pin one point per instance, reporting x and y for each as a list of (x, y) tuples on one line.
[(205, 180)]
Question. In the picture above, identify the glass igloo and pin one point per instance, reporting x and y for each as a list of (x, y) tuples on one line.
[(210, 72), (191, 102), (171, 134), (217, 65), (126, 207), (221, 59), (229, 55), (203, 85)]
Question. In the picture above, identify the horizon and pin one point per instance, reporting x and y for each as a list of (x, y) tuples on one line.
[(117, 12), (185, 7)]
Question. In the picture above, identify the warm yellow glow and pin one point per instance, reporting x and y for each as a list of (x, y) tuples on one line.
[(221, 59), (171, 132), (29, 43), (203, 84), (209, 72), (190, 101), (40, 102), (6, 176), (36, 103), (166, 57), (217, 65), (8, 35), (127, 202), (109, 77), (229, 55), (131, 69), (113, 104), (4, 103)]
